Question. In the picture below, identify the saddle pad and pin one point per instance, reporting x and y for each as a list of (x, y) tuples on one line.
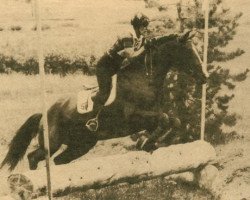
[(84, 100), (112, 95)]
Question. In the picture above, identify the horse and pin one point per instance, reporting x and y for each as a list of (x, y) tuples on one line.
[(137, 107)]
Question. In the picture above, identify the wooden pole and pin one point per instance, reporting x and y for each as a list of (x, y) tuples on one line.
[(43, 90), (133, 166), (181, 19), (205, 8)]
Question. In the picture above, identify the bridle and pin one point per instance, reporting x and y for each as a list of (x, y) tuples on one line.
[(149, 66)]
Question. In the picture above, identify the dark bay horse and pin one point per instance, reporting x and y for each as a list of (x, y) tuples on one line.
[(137, 107)]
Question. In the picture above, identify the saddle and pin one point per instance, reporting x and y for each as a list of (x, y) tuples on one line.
[(84, 97)]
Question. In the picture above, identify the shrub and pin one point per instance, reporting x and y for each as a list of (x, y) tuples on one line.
[(54, 64), (44, 27), (15, 28)]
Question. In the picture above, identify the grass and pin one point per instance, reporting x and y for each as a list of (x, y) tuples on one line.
[(44, 27), (149, 190), (15, 28), (21, 97), (79, 29)]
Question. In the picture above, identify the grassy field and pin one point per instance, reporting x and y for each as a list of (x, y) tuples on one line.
[(88, 27), (73, 29), (21, 97)]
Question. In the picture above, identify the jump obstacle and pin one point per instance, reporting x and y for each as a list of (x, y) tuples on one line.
[(129, 167)]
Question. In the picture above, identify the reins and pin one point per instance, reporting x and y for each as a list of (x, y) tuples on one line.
[(149, 69)]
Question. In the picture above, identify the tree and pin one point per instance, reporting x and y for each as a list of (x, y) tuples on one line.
[(183, 96)]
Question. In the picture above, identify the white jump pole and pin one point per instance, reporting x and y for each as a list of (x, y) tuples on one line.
[(43, 90), (205, 8)]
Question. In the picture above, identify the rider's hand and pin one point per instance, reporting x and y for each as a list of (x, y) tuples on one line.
[(125, 62), (126, 53)]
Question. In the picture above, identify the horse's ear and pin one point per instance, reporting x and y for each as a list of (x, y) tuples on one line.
[(187, 36)]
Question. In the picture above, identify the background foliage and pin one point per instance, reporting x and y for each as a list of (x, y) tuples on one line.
[(54, 64), (183, 96)]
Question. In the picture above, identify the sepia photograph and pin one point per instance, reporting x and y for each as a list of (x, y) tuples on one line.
[(124, 100)]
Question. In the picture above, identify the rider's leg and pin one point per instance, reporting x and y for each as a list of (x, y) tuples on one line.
[(104, 82), (104, 71)]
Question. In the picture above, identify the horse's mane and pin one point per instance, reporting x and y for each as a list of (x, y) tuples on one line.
[(159, 40), (164, 39)]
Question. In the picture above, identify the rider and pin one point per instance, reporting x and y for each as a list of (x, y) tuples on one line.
[(118, 55)]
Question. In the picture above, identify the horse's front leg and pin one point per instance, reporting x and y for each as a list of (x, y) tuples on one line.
[(155, 123), (163, 127)]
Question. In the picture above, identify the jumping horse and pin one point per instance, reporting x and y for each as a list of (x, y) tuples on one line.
[(137, 106)]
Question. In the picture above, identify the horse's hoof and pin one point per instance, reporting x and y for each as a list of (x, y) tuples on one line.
[(32, 163), (57, 161), (146, 144), (32, 166), (149, 147)]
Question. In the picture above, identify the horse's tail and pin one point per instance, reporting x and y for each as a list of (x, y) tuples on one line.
[(21, 141)]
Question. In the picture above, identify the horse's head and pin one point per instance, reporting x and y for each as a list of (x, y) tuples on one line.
[(180, 53)]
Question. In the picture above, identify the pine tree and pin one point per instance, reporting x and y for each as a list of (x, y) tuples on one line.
[(183, 96)]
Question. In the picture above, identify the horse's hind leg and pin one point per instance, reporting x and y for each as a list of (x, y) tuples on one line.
[(66, 156), (69, 154), (56, 136), (38, 155), (34, 157), (74, 151)]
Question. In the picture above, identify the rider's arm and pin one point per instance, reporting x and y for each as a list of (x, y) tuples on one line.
[(132, 53), (122, 43)]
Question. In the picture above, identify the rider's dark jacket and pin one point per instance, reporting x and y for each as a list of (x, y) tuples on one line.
[(108, 65)]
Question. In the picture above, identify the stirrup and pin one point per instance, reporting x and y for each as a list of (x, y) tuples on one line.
[(92, 124)]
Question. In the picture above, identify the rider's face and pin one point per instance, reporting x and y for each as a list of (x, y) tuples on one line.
[(141, 30)]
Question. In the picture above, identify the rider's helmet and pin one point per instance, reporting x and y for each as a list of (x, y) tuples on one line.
[(140, 20)]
